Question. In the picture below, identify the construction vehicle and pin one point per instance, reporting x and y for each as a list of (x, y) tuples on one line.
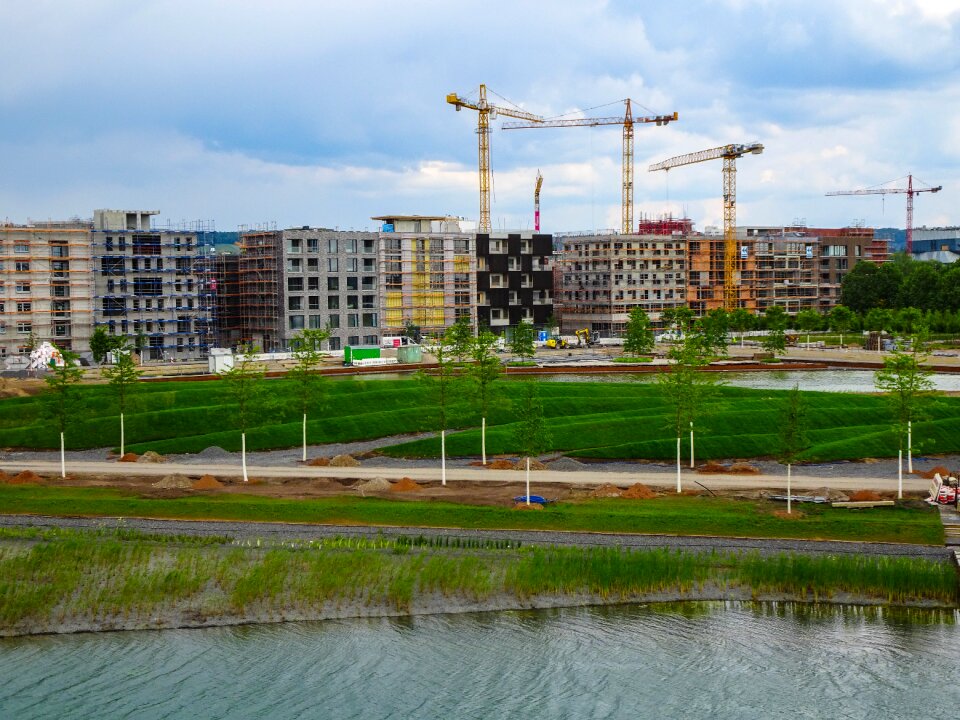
[(556, 343), (585, 338)]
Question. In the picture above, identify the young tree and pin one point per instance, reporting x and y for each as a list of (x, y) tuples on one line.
[(62, 398), (101, 343), (638, 336), (807, 320), (775, 340), (907, 385), (841, 320), (531, 436), (459, 337), (793, 434), (521, 344), (310, 384), (245, 385), (123, 377), (678, 319), (685, 387), (486, 368), (412, 331), (742, 320), (710, 332), (442, 386)]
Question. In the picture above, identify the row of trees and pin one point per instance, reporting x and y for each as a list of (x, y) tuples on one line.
[(902, 283)]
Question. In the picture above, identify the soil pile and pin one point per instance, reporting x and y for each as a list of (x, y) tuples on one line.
[(4, 478), (742, 468), (565, 463), (712, 468), (638, 491), (151, 457), (319, 462), (831, 495), (500, 465), (864, 496), (534, 465), (174, 482), (405, 485), (24, 478), (375, 485), (215, 452), (207, 482), (344, 461), (606, 491), (938, 470), (129, 457), (524, 506)]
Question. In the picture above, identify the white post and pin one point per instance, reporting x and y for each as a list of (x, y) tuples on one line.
[(443, 457), (243, 454), (304, 437), (678, 465), (483, 439), (528, 481), (691, 444), (63, 459), (121, 435), (910, 446), (900, 475), (788, 489)]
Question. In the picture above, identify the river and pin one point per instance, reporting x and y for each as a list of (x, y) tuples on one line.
[(710, 660)]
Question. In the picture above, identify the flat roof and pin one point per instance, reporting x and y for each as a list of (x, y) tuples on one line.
[(415, 217)]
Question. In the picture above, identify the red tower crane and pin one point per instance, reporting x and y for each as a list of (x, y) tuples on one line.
[(909, 191)]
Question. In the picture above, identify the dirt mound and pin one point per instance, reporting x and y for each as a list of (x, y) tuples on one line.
[(938, 470), (214, 452), (606, 491), (405, 485), (319, 462), (500, 465), (207, 482), (783, 514), (344, 461), (174, 482), (151, 457), (534, 465), (712, 468), (565, 463), (4, 477), (27, 476), (865, 496), (128, 457), (531, 506), (638, 491), (375, 485), (831, 495), (742, 468)]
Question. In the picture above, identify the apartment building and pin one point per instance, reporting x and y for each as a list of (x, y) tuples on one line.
[(514, 279), (428, 272), (938, 243), (785, 270), (157, 284), (603, 277), (46, 286)]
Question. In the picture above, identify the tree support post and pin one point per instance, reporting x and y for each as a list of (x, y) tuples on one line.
[(483, 439), (900, 474), (443, 457), (678, 466), (121, 435), (691, 444), (304, 437), (789, 498), (528, 480), (243, 454), (63, 459), (910, 447)]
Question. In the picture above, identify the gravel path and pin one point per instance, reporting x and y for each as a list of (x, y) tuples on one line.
[(278, 532)]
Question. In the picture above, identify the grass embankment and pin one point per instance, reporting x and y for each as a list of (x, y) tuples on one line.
[(70, 580), (593, 420), (673, 515)]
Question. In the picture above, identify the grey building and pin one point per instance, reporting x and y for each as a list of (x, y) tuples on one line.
[(941, 244), (329, 279)]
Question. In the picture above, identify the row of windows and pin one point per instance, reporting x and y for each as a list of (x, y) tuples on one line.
[(353, 302), (334, 245), (295, 284), (295, 265), (367, 320)]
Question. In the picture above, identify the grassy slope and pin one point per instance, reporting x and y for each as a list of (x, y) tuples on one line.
[(594, 420), (671, 515)]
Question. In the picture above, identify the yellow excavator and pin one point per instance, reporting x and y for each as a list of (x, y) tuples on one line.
[(585, 338), (556, 343)]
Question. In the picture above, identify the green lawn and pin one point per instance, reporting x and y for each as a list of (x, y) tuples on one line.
[(670, 515), (591, 420)]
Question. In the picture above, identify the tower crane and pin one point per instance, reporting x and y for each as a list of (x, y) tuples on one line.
[(729, 154), (627, 121), (536, 202), (909, 191), (486, 112)]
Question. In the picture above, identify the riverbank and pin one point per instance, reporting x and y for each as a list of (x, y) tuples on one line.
[(62, 581)]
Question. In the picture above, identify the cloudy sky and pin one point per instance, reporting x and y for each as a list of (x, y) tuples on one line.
[(325, 113)]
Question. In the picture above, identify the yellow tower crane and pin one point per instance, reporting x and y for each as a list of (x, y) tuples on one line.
[(486, 112), (729, 154), (536, 202), (627, 121)]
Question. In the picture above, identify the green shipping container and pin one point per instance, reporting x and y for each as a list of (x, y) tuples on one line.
[(359, 353)]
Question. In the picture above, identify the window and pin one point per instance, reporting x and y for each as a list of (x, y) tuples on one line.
[(352, 265), (294, 245), (369, 283), (368, 246), (369, 301), (314, 302), (294, 302), (135, 264), (350, 245), (334, 343), (332, 265), (369, 265), (24, 307), (353, 320), (295, 284), (22, 288), (333, 302), (313, 265), (353, 302), (333, 321), (370, 340), (313, 245), (147, 286), (22, 266), (24, 328), (369, 320), (146, 264), (21, 248), (315, 322), (146, 244), (352, 283), (353, 339), (296, 322), (108, 244), (294, 265), (331, 245), (333, 283)]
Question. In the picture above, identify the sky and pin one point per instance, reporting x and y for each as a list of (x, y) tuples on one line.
[(327, 113)]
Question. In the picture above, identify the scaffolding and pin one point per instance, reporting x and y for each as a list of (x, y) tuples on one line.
[(259, 297)]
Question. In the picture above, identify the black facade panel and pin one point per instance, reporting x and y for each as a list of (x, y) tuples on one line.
[(526, 263), (497, 263), (514, 280), (513, 245), (498, 298), (542, 313), (516, 315), (543, 280), (483, 245), (483, 316), (525, 298), (483, 280), (542, 244)]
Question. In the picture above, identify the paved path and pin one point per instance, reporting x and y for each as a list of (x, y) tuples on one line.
[(801, 483)]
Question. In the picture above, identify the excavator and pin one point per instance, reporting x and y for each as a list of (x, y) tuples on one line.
[(556, 343), (585, 338)]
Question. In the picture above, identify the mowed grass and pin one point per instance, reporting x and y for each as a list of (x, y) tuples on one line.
[(683, 515), (84, 578), (589, 420)]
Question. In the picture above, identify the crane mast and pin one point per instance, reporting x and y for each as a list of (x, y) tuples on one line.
[(627, 121), (909, 191), (485, 111), (729, 155)]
